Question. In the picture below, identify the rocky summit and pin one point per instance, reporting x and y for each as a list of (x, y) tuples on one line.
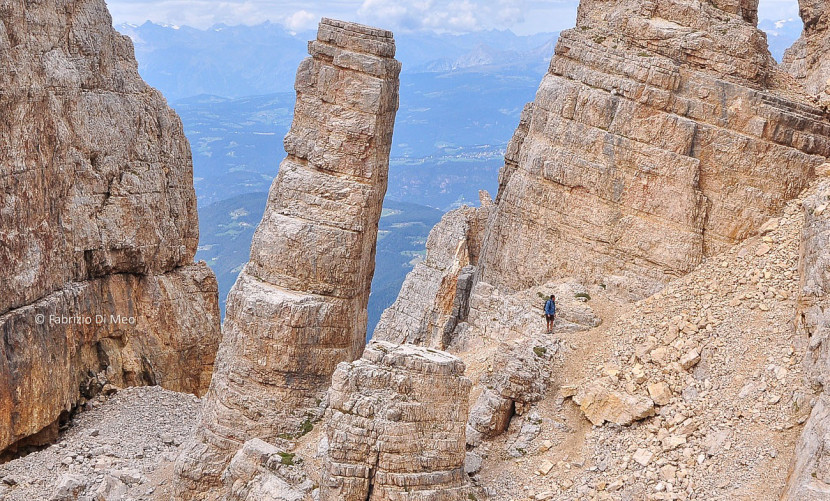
[(299, 306), (98, 228), (669, 186)]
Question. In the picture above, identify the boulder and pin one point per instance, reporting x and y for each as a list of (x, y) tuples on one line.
[(600, 404)]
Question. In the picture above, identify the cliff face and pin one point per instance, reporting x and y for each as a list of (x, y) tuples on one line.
[(809, 476), (98, 226), (658, 137), (807, 59), (433, 298), (299, 307)]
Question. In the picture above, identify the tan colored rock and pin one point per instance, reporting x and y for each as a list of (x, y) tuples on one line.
[(623, 158), (98, 224), (299, 306), (643, 456), (395, 427), (600, 404), (520, 377), (690, 359), (660, 393), (435, 295)]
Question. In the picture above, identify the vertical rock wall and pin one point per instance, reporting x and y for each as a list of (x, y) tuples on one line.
[(299, 307), (395, 427), (809, 477), (661, 134), (98, 223)]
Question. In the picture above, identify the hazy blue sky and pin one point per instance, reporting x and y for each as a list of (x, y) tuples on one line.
[(521, 16)]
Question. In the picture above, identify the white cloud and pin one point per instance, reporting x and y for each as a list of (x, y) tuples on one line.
[(301, 20), (445, 15)]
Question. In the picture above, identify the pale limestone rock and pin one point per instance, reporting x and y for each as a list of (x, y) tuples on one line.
[(600, 404), (659, 136), (395, 427), (643, 456), (98, 223), (520, 377), (660, 393), (263, 472), (299, 306), (434, 297)]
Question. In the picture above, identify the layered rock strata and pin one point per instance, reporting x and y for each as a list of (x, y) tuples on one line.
[(434, 297), (660, 135), (807, 59), (98, 223), (395, 427), (299, 306), (809, 476)]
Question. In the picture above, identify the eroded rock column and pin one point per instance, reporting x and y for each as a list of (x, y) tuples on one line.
[(299, 307), (396, 427)]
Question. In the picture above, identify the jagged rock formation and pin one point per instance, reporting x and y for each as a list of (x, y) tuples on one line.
[(299, 306), (99, 225), (660, 135), (395, 427), (520, 377), (434, 296), (263, 472), (807, 59), (809, 477)]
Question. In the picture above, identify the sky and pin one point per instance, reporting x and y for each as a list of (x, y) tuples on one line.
[(459, 16)]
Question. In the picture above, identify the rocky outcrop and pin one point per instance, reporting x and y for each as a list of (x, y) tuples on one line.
[(395, 427), (434, 297), (263, 472), (520, 376), (809, 476), (299, 306), (807, 59), (99, 225), (661, 134)]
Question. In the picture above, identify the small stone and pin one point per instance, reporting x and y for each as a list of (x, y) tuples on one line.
[(690, 359), (660, 393), (643, 456), (762, 249), (544, 467), (674, 441)]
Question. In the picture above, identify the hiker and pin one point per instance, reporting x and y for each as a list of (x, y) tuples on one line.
[(550, 312)]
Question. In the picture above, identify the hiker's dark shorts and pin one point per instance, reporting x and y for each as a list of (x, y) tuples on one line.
[(549, 317)]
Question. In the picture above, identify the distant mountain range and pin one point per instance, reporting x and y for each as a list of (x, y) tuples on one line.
[(238, 61)]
